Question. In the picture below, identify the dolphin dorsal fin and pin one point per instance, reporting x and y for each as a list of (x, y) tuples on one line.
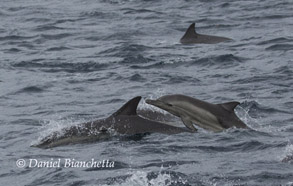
[(230, 106), (129, 108), (190, 32)]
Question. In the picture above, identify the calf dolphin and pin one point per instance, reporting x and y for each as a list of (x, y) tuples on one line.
[(191, 37), (215, 117), (124, 121)]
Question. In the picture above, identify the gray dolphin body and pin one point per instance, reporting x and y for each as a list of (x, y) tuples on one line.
[(214, 117), (125, 121), (191, 37)]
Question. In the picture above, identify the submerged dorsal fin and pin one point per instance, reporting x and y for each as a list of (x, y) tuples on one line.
[(230, 106), (129, 108), (190, 32)]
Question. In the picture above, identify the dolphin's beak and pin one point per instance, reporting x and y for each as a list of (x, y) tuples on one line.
[(160, 104)]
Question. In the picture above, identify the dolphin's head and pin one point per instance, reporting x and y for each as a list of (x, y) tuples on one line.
[(171, 104), (164, 104)]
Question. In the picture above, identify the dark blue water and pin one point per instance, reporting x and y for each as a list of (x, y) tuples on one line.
[(66, 62)]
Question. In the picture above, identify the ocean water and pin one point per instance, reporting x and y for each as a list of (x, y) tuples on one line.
[(67, 62)]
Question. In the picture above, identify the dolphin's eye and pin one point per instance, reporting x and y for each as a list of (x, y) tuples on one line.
[(170, 105)]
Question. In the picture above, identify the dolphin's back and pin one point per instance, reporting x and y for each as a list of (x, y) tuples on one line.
[(186, 101)]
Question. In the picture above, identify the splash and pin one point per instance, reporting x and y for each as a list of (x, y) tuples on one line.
[(144, 106), (51, 126), (288, 155), (243, 113), (142, 178)]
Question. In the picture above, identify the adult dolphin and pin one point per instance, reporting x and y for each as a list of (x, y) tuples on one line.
[(191, 37), (214, 117), (125, 121)]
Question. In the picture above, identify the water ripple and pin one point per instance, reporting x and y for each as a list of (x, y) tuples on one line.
[(57, 66)]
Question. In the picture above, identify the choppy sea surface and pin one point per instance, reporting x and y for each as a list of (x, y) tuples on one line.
[(67, 62)]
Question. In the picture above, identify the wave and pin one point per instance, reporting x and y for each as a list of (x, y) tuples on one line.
[(32, 89), (278, 40), (220, 61), (282, 47), (55, 36), (16, 38), (267, 78), (57, 66), (248, 146), (47, 27), (256, 110)]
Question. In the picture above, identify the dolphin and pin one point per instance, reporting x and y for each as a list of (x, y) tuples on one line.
[(214, 117), (191, 37), (125, 121)]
